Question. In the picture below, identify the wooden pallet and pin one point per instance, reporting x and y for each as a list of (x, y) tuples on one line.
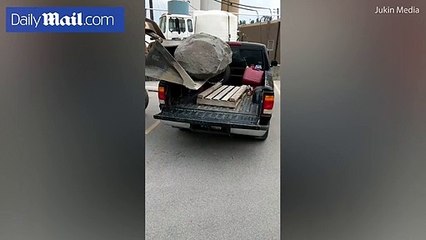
[(222, 95)]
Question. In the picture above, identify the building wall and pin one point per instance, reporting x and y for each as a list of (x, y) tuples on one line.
[(265, 33), (226, 7), (209, 5), (196, 4)]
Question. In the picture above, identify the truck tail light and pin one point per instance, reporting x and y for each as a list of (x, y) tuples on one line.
[(268, 104), (162, 94)]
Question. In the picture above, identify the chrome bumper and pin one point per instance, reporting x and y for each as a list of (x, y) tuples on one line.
[(239, 131)]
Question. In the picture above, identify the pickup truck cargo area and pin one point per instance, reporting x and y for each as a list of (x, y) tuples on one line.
[(179, 107)]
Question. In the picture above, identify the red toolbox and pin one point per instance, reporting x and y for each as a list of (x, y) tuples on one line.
[(252, 77)]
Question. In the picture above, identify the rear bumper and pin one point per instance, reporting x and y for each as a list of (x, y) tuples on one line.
[(248, 132), (254, 131)]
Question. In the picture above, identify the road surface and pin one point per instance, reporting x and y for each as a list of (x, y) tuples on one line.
[(206, 186)]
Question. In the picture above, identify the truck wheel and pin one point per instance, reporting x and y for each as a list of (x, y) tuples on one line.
[(146, 99)]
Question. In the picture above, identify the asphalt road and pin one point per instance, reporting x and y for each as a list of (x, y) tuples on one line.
[(205, 186)]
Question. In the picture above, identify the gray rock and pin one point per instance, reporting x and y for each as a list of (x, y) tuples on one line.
[(203, 55)]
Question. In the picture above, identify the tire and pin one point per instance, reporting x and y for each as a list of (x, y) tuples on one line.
[(146, 98)]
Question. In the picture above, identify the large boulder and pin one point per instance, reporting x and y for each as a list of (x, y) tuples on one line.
[(203, 56)]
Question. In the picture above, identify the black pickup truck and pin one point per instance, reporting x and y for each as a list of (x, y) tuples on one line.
[(250, 117)]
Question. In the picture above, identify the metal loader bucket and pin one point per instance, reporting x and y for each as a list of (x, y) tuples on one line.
[(161, 65)]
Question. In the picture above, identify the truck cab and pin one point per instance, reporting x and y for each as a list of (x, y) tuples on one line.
[(180, 26), (176, 26)]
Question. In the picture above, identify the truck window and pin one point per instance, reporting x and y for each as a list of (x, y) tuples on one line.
[(177, 25), (182, 25), (249, 56), (172, 25), (190, 28), (163, 24)]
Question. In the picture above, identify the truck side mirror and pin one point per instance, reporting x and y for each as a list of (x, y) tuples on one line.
[(274, 63)]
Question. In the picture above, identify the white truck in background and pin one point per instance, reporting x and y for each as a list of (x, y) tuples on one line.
[(221, 24)]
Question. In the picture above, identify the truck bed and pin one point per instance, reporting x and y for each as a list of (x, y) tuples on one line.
[(245, 114)]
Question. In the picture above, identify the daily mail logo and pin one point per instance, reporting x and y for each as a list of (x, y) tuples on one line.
[(65, 19)]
